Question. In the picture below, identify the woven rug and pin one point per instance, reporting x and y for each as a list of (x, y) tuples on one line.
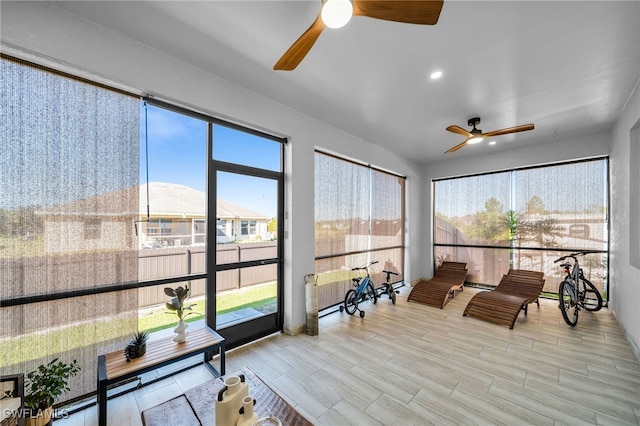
[(268, 403), (176, 412)]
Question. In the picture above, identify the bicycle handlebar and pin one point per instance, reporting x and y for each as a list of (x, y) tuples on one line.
[(365, 266), (573, 255), (391, 273)]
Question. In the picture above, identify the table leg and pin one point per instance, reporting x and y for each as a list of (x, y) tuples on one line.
[(102, 403), (102, 391), (208, 356), (222, 360)]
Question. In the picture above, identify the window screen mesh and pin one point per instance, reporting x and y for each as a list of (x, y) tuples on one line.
[(68, 200), (359, 217), (524, 219)]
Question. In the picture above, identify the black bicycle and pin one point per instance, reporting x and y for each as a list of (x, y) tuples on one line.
[(576, 292), (387, 287)]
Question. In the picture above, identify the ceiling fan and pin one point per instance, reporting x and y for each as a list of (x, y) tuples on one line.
[(475, 135), (336, 13)]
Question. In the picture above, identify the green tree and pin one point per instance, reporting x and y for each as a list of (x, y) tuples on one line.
[(22, 222), (272, 226), (491, 224), (535, 206)]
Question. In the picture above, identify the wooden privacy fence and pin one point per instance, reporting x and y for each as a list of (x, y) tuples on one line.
[(171, 262)]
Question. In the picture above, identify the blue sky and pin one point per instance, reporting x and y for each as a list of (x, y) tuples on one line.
[(177, 154)]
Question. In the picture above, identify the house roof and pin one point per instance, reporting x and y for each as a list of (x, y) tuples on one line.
[(165, 199), (121, 203), (171, 199)]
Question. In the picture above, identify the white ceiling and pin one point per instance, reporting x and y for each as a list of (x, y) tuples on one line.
[(568, 67)]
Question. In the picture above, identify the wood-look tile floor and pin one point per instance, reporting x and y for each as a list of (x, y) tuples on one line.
[(412, 364)]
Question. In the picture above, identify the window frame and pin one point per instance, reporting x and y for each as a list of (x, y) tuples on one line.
[(512, 247)]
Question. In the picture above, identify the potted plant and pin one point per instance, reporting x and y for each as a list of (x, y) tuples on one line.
[(177, 305), (44, 385), (136, 346)]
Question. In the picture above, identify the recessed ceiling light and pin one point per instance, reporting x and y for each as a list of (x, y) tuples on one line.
[(492, 143), (436, 74)]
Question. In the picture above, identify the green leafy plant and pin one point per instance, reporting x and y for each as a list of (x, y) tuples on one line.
[(178, 297), (48, 382)]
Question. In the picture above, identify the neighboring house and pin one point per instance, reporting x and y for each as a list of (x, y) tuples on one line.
[(97, 223), (176, 218)]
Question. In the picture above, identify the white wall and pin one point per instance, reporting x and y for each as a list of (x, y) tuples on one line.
[(45, 34), (625, 278)]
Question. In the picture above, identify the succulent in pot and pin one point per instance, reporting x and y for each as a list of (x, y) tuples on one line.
[(137, 346)]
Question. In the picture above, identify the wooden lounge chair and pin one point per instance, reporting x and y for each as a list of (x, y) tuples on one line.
[(523, 273), (502, 305), (448, 279)]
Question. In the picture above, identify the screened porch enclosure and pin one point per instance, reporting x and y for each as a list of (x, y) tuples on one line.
[(525, 219), (359, 218), (103, 203)]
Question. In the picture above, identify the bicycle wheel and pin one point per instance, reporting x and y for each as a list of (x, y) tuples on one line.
[(591, 299), (351, 302), (393, 297), (568, 303), (371, 293)]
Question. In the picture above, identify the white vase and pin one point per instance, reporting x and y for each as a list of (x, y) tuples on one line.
[(229, 400), (247, 416), (181, 332)]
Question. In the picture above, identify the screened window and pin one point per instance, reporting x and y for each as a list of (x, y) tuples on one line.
[(524, 219), (93, 229), (71, 211), (199, 231), (359, 217), (159, 227)]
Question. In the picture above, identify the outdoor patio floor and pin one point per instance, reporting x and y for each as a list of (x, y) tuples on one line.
[(415, 364)]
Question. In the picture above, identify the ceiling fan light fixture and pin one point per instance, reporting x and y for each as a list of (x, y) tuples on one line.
[(475, 139), (336, 13)]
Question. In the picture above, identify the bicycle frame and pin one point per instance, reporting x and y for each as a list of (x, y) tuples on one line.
[(573, 276), (575, 291), (362, 287)]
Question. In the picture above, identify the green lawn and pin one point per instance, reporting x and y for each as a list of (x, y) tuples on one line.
[(259, 297), (48, 344)]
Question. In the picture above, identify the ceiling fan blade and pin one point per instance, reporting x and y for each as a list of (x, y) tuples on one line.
[(459, 130), (515, 129), (457, 147), (298, 50), (411, 12)]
